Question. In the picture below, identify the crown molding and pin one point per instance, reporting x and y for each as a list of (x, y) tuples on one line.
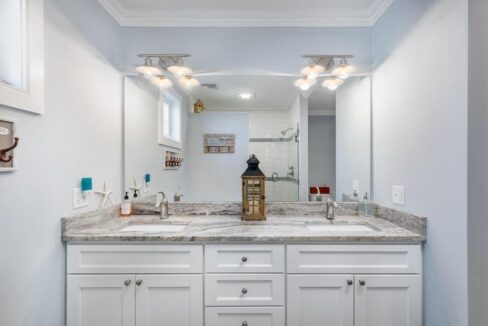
[(228, 18), (325, 113)]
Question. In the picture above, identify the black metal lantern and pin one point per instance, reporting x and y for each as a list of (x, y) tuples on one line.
[(253, 181)]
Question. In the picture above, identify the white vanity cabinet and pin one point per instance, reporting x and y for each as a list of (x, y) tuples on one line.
[(157, 285), (366, 285), (244, 285)]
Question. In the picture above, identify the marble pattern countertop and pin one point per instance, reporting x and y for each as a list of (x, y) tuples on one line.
[(105, 225)]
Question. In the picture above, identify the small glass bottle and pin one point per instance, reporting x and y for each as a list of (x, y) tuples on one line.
[(365, 206)]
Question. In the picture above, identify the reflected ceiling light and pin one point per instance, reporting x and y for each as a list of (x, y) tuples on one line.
[(305, 83), (345, 70), (333, 83), (188, 82), (179, 70), (148, 70), (313, 70), (161, 82), (246, 96)]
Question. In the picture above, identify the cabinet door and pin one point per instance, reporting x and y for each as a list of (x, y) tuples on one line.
[(170, 300), (386, 300), (100, 300), (320, 300)]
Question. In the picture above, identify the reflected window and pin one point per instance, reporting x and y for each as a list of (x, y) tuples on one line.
[(170, 120), (13, 43)]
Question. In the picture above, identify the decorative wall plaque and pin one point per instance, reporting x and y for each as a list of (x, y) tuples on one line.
[(219, 143)]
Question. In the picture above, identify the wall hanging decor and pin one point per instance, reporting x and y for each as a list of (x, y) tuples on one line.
[(106, 194), (199, 106), (8, 143), (219, 143), (172, 160)]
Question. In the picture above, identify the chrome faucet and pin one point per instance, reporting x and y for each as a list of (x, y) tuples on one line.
[(330, 207), (163, 206)]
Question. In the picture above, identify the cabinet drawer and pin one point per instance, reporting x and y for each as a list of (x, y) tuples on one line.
[(113, 259), (390, 259), (245, 259), (239, 316), (244, 290)]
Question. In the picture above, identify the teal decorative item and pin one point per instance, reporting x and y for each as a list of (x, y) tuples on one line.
[(147, 177), (86, 184)]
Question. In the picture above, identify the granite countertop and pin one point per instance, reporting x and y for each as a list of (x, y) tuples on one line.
[(230, 229)]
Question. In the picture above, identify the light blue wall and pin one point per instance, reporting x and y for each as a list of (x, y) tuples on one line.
[(79, 135), (250, 50), (420, 138)]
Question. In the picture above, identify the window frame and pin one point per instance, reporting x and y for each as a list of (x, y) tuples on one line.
[(165, 97)]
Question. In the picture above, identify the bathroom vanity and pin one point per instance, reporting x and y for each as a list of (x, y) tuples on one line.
[(215, 270)]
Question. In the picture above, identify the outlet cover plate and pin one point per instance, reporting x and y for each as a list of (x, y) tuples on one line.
[(398, 195), (79, 201)]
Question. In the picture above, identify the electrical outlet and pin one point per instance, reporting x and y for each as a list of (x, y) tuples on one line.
[(398, 195), (355, 185), (79, 200)]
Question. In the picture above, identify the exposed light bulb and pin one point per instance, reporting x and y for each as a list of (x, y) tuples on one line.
[(305, 83), (312, 71), (161, 82), (148, 70), (344, 71), (333, 83), (179, 71), (188, 82)]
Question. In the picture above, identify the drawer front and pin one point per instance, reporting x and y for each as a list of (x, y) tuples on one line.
[(245, 259), (113, 259), (242, 316), (391, 259), (244, 290)]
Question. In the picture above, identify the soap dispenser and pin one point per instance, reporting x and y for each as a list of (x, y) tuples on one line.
[(365, 206), (126, 207)]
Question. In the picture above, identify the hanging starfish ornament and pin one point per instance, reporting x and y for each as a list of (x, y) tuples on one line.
[(136, 186), (106, 193)]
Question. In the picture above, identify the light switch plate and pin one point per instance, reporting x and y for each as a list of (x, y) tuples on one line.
[(398, 195), (355, 185), (79, 200)]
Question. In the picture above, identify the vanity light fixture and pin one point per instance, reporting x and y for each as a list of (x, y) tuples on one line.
[(167, 62), (323, 63), (305, 83), (345, 70), (148, 70), (246, 96), (161, 82), (188, 82), (333, 83)]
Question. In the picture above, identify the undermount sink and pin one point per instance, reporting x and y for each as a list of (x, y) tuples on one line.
[(340, 228), (156, 228)]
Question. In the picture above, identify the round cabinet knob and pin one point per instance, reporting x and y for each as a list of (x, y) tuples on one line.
[(244, 291), (138, 282), (244, 323), (362, 283), (127, 282), (244, 259), (349, 282)]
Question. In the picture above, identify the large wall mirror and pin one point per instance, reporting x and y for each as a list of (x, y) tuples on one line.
[(318, 142), (22, 55)]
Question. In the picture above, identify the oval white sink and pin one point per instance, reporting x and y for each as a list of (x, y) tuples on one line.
[(153, 228), (340, 228)]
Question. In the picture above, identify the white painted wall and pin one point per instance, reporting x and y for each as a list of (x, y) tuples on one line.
[(478, 163), (322, 151), (353, 130), (143, 154), (216, 177), (420, 55), (79, 135)]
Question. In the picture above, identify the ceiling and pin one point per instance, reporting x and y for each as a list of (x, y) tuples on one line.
[(246, 13)]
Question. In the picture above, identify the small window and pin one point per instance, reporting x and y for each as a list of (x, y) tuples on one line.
[(170, 120)]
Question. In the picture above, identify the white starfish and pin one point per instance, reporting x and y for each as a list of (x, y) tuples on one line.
[(136, 186), (106, 193)]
